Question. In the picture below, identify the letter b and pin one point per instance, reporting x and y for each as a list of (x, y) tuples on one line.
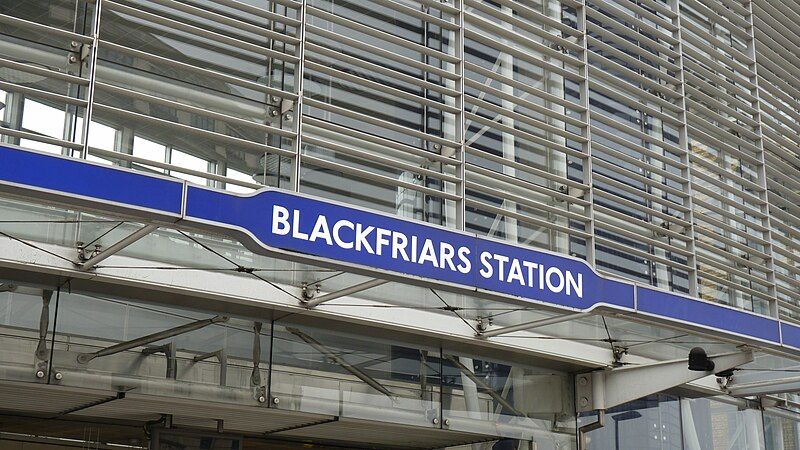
[(280, 220)]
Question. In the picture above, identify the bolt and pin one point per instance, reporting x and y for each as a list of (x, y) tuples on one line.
[(74, 44), (40, 374), (584, 401), (447, 422), (59, 376), (436, 421), (261, 399), (273, 112), (288, 116), (276, 99), (275, 400), (583, 381), (437, 146), (73, 58)]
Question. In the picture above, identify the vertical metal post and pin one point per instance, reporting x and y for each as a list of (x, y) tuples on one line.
[(298, 108), (683, 142), (461, 220), (762, 173), (87, 116), (587, 133)]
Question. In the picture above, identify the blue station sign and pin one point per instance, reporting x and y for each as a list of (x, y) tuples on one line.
[(322, 232)]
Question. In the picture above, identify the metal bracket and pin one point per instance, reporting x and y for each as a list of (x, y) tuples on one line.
[(100, 256), (344, 292), (222, 357), (169, 351), (776, 386), (532, 324), (604, 389)]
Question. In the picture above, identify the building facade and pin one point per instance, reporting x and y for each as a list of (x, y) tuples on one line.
[(656, 140)]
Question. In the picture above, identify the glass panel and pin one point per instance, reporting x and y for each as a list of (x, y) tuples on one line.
[(650, 423), (353, 376), (709, 424)]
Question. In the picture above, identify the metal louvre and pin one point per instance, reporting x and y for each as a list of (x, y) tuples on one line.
[(656, 139)]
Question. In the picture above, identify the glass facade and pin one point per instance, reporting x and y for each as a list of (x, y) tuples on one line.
[(655, 139)]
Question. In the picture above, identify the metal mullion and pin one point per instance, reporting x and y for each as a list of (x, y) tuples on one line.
[(193, 109), (341, 39), (637, 192), (588, 165), (639, 177), (637, 148), (521, 86), (518, 182), (505, 194), (524, 118), (377, 140), (525, 218), (604, 224), (379, 34), (644, 166), (315, 48), (610, 196), (365, 174), (525, 135), (212, 73), (207, 133), (648, 224), (162, 165), (527, 168), (461, 68), (380, 159), (531, 14), (419, 14), (379, 122), (66, 35), (520, 101), (523, 27), (92, 79), (631, 60), (299, 116), (627, 249), (525, 55), (328, 70)]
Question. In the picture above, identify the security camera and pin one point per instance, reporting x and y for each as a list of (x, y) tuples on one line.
[(699, 360)]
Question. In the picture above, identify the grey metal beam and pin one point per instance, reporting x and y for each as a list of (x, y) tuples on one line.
[(777, 386), (344, 292), (533, 324), (604, 389), (84, 358), (124, 242)]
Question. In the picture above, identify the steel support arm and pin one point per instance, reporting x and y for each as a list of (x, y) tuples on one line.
[(124, 242), (84, 358), (344, 292), (318, 346), (777, 386), (533, 324), (604, 389)]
